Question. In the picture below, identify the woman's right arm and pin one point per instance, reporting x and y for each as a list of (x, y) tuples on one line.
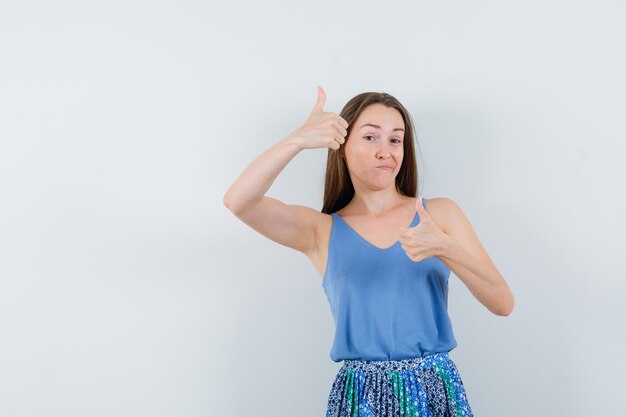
[(293, 226)]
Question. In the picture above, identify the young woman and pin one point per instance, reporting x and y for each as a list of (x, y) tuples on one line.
[(383, 257)]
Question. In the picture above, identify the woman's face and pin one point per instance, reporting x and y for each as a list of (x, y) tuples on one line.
[(375, 141)]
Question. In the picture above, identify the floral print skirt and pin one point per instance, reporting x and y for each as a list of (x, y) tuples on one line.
[(427, 386)]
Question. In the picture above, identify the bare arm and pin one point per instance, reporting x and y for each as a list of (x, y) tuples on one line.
[(258, 177), (449, 235), (293, 226), (288, 225), (464, 254)]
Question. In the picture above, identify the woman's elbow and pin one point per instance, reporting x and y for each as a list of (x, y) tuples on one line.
[(505, 309), (231, 202)]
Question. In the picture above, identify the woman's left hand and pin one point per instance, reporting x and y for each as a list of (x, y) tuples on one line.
[(425, 239)]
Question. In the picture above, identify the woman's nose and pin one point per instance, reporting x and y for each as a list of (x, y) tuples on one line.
[(383, 153)]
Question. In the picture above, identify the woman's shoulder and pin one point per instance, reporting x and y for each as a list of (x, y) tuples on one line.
[(441, 209), (439, 202)]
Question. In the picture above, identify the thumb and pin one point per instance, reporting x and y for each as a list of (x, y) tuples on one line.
[(419, 205), (321, 100)]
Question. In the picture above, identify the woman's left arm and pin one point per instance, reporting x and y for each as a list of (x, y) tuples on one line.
[(463, 253)]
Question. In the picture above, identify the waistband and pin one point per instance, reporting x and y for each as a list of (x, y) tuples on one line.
[(441, 358)]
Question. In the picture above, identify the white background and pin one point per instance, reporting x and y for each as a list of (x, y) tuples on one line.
[(128, 289)]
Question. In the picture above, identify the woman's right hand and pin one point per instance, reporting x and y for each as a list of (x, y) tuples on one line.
[(321, 129)]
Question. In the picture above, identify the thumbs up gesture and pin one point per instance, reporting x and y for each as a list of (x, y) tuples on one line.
[(321, 129), (425, 239)]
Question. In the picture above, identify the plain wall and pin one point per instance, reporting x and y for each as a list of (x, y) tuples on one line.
[(128, 289)]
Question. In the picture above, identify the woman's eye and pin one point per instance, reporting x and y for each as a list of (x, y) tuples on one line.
[(395, 139)]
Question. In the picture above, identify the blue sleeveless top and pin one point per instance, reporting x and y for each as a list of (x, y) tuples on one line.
[(385, 306)]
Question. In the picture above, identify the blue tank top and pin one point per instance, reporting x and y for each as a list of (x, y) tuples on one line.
[(385, 306)]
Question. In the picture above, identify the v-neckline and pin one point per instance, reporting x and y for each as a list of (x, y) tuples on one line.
[(367, 241)]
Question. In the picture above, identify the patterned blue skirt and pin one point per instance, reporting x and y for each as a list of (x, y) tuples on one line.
[(427, 386)]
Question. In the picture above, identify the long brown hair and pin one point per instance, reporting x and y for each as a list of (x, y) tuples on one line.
[(338, 188)]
